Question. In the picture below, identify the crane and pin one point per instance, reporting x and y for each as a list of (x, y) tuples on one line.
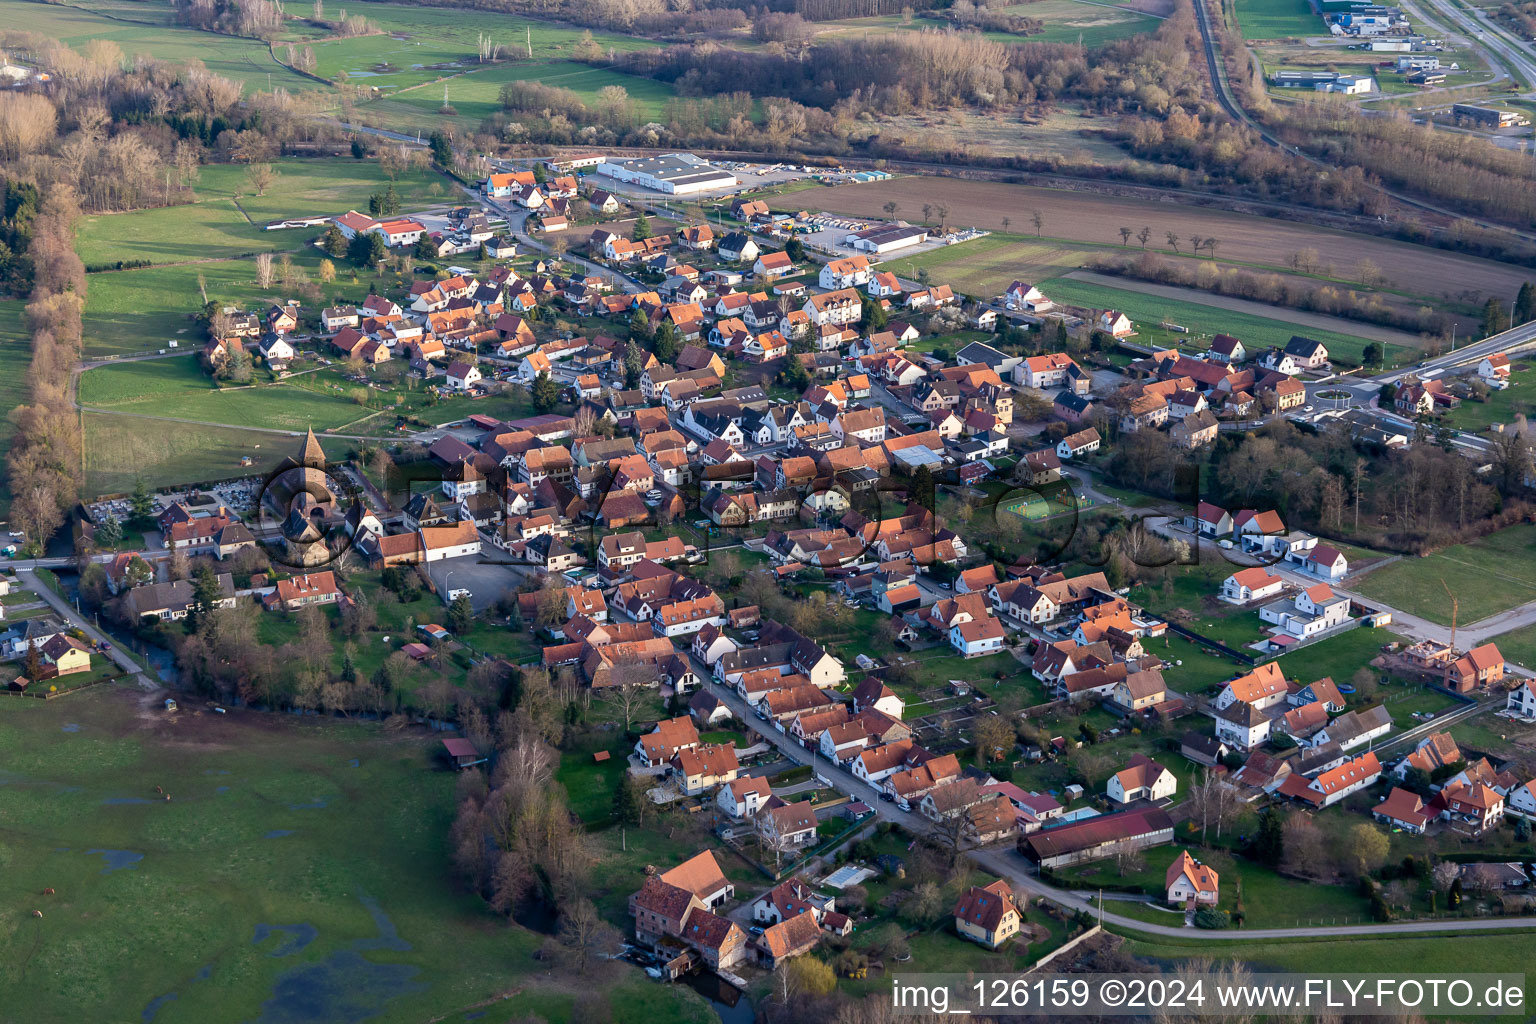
[(1453, 611)]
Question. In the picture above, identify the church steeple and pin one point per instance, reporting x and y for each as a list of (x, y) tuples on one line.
[(313, 455)]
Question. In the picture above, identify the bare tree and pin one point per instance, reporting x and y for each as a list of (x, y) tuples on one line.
[(264, 271), (625, 700), (1142, 236), (260, 177), (1038, 220), (1173, 241), (1125, 236)]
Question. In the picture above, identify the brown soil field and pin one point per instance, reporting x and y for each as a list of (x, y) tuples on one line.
[(1432, 273)]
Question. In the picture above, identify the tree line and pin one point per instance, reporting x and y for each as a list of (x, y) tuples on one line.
[(44, 461)]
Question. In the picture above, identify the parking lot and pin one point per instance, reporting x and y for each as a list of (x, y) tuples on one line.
[(485, 580)]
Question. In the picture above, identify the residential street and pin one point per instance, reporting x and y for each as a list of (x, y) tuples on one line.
[(1009, 865), (67, 612)]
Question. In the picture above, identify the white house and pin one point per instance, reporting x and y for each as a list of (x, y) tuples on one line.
[(1521, 701), (1047, 371), (1494, 370), (462, 376), (1026, 297), (977, 637), (1254, 584), (845, 273), (1190, 882), (744, 797), (1084, 442), (1313, 611), (1142, 779), (1243, 726)]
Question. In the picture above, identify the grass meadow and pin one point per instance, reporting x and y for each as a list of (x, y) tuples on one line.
[(178, 387), (144, 30), (1147, 311), (1487, 576), (298, 873), (120, 450), (228, 218), (15, 357), (1277, 19)]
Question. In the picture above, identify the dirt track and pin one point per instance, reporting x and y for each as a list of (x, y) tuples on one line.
[(1432, 273)]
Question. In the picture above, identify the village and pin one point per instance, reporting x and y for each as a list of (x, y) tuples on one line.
[(792, 517)]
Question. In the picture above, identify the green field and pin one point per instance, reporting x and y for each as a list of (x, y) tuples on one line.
[(1277, 19), (120, 450), (214, 226), (1518, 646), (1387, 954), (478, 95), (1338, 656), (298, 873), (15, 357), (1487, 576), (423, 44), (144, 29), (1067, 21), (1147, 311), (1269, 899), (1500, 407), (177, 386), (1036, 507)]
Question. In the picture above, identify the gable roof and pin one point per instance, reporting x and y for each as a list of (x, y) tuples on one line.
[(699, 874), (985, 906)]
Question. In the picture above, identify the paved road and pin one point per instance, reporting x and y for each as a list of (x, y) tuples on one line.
[(1010, 865), (66, 611)]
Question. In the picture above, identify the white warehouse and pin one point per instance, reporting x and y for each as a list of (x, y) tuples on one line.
[(673, 173)]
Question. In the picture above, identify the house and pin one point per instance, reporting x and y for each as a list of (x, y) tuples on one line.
[(842, 306), (771, 265), (312, 588), (1191, 884), (1325, 561), (462, 376), (1323, 692), (1044, 371), (1225, 349), (1333, 785), (845, 273), (660, 746), (1307, 353), (1470, 808), (63, 655), (1142, 779), (743, 798), (1084, 442), (1194, 431), (602, 201), (1402, 809), (873, 693), (1139, 691), (701, 876), (1254, 584), (1114, 323), (664, 911), (1521, 702), (977, 638), (788, 939), (988, 914), (1202, 749), (737, 247), (1242, 725), (704, 767), (787, 826), (1478, 669), (1262, 688), (1210, 520), (1311, 612), (1026, 297), (1494, 370)]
